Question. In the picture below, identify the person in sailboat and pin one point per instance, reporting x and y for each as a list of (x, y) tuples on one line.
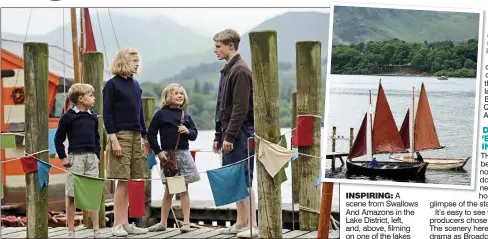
[(123, 118), (419, 157), (373, 163)]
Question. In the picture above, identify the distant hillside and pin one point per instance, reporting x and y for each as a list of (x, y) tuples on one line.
[(291, 27), (156, 38), (361, 24)]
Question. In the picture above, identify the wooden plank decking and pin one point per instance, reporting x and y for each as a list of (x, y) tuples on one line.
[(61, 232), (207, 212)]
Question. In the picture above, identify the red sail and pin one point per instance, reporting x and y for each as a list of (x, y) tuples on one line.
[(405, 130), (89, 37), (386, 138), (359, 147), (425, 135)]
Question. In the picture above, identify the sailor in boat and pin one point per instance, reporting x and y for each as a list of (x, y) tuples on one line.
[(419, 157), (373, 163)]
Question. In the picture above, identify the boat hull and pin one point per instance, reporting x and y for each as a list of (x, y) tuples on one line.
[(439, 163), (393, 170)]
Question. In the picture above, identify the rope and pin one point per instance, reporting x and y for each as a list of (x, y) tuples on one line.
[(113, 28), (316, 116), (21, 56), (308, 209), (111, 179), (64, 69), (103, 41)]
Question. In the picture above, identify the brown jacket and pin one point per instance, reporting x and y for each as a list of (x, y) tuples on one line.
[(236, 103)]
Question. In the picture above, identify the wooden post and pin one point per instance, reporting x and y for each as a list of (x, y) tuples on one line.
[(334, 130), (325, 211), (93, 75), (264, 61), (148, 108), (36, 133), (308, 63), (74, 36), (351, 138), (295, 164)]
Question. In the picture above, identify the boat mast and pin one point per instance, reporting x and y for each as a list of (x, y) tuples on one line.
[(82, 43), (412, 147), (371, 124), (74, 37)]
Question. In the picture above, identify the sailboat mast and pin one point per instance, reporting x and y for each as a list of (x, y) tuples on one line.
[(82, 43), (371, 123), (74, 37), (412, 147)]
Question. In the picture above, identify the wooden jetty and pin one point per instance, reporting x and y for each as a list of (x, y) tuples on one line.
[(61, 232), (272, 214), (205, 211)]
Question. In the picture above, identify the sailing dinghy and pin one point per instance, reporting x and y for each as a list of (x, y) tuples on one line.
[(385, 138), (425, 137)]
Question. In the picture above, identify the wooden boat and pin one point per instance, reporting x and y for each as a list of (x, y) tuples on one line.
[(385, 138), (442, 78), (425, 136), (396, 170), (439, 163), (12, 114)]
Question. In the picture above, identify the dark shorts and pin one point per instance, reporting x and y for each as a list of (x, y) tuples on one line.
[(240, 152)]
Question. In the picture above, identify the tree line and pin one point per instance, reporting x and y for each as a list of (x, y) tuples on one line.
[(397, 57)]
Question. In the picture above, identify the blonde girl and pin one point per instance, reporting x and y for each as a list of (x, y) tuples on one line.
[(167, 122)]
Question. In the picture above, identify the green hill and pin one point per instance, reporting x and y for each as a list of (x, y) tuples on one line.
[(361, 24), (291, 27), (157, 38)]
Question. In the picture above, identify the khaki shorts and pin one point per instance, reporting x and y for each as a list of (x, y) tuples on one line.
[(81, 163), (132, 164)]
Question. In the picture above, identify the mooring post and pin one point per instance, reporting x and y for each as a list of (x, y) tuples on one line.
[(264, 61), (36, 133), (93, 75), (333, 145), (308, 63), (295, 164), (325, 211), (351, 137), (148, 108)]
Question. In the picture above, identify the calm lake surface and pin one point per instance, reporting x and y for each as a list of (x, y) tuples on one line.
[(208, 160), (452, 103)]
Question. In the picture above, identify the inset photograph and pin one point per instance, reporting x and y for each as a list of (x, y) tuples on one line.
[(402, 95)]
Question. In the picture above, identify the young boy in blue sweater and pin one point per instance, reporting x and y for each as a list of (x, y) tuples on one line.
[(80, 124)]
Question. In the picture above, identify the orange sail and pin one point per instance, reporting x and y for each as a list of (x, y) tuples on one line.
[(425, 135), (405, 130), (386, 138), (359, 147)]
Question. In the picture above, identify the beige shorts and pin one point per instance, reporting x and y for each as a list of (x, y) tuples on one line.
[(81, 163), (132, 164)]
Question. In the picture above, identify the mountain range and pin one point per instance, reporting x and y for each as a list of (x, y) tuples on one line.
[(168, 48), (362, 24)]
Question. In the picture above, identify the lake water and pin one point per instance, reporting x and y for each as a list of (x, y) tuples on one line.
[(208, 160), (452, 103)]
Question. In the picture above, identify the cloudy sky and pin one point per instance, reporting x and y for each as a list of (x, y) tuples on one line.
[(206, 20)]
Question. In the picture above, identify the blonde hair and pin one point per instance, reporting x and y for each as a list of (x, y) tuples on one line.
[(169, 90), (77, 90), (228, 36), (122, 63)]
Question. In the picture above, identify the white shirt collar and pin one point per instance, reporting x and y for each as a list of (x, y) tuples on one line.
[(78, 110)]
